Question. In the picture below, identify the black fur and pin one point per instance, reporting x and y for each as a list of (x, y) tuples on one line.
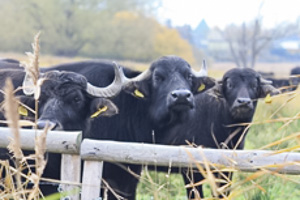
[(295, 81), (10, 60), (8, 63), (282, 84)]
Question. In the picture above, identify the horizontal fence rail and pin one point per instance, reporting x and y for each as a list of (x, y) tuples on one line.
[(94, 152), (181, 156), (65, 143), (56, 142)]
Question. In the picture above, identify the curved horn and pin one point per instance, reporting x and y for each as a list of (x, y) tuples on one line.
[(264, 81), (142, 76), (202, 72), (111, 90)]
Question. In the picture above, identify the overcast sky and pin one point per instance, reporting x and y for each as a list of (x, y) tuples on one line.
[(222, 12)]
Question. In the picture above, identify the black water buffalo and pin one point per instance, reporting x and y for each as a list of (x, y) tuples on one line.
[(156, 99), (276, 82), (17, 76), (67, 101), (295, 77), (235, 103), (8, 63), (10, 60), (284, 84), (281, 83)]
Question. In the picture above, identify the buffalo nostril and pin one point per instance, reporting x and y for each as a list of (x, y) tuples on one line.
[(181, 100), (41, 124), (174, 95), (181, 94), (188, 94), (246, 101)]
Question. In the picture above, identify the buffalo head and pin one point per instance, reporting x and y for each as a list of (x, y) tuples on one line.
[(295, 77), (241, 88), (169, 86), (67, 100)]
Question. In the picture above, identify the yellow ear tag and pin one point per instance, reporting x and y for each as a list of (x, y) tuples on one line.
[(137, 93), (22, 111), (201, 88), (268, 99), (97, 113)]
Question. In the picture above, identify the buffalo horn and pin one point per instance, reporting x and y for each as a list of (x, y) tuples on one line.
[(111, 90), (264, 81), (127, 82), (202, 72)]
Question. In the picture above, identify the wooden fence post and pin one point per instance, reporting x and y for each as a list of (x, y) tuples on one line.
[(70, 173), (91, 181)]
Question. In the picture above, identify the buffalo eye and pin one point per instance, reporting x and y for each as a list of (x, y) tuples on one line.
[(254, 87), (229, 85), (190, 77), (76, 99), (158, 78)]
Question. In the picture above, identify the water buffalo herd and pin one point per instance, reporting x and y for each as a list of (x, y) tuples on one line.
[(284, 84), (169, 103)]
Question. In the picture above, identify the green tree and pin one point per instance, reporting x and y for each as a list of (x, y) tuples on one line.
[(169, 42), (16, 30), (111, 29)]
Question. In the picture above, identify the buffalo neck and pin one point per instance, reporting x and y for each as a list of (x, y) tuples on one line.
[(132, 124), (221, 123)]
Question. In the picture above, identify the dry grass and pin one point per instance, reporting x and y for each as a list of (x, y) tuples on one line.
[(11, 114), (13, 174)]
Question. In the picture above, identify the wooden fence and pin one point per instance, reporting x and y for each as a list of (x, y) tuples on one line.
[(65, 143), (94, 152)]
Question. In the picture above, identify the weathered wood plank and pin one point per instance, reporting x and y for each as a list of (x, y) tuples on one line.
[(180, 156), (91, 181), (57, 141), (70, 172)]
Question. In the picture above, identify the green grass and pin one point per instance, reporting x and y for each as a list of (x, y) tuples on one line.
[(275, 188), (265, 187)]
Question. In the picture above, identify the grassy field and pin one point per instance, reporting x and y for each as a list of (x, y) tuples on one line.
[(161, 186), (265, 187)]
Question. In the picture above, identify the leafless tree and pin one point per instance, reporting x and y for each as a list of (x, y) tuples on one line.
[(247, 41)]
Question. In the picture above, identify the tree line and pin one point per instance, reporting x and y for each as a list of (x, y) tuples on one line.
[(112, 29)]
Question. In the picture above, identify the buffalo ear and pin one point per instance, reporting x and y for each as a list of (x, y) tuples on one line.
[(268, 89), (139, 89), (201, 84), (26, 101), (216, 91), (102, 107)]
